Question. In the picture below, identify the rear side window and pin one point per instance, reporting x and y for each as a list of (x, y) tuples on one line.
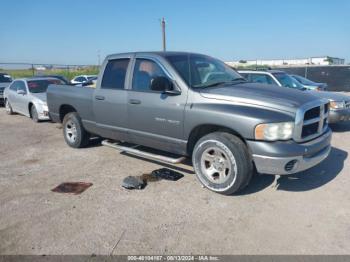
[(115, 74)]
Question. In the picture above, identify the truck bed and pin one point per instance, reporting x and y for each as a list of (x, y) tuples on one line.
[(80, 98)]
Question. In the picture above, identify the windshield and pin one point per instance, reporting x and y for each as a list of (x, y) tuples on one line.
[(200, 71), (303, 80), (92, 78), (5, 79), (288, 81), (40, 86)]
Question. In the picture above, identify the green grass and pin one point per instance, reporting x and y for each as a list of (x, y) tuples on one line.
[(69, 74)]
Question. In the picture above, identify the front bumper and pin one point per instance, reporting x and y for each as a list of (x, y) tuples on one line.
[(44, 115), (281, 158), (338, 115)]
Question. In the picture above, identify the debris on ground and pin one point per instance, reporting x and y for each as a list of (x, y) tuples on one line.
[(140, 182), (133, 182), (75, 188), (167, 174)]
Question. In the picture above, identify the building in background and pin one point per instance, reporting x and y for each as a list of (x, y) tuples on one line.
[(323, 60)]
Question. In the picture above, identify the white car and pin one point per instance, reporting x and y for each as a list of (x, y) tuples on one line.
[(83, 79), (28, 97)]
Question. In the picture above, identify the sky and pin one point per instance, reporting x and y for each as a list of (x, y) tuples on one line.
[(74, 32)]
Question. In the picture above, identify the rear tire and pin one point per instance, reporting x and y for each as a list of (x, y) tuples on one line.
[(34, 114), (73, 131), (8, 107), (222, 163)]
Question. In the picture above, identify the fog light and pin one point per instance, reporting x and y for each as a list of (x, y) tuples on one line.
[(290, 165)]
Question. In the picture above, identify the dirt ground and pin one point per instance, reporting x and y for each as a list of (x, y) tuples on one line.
[(306, 213)]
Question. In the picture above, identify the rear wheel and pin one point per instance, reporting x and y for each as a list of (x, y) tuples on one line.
[(73, 131), (222, 163), (8, 107), (34, 114)]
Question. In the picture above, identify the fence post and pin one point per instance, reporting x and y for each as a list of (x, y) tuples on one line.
[(33, 71)]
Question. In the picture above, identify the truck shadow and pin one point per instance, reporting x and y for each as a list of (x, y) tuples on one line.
[(303, 181), (316, 176), (340, 127)]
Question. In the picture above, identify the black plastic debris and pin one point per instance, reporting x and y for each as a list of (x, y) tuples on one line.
[(133, 182), (75, 188), (167, 174)]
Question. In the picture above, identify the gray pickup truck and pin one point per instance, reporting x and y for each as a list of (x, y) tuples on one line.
[(194, 105)]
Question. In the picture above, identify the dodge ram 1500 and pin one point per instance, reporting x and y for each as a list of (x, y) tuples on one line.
[(195, 105)]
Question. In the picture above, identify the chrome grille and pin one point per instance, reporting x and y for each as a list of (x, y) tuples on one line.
[(347, 104), (311, 120)]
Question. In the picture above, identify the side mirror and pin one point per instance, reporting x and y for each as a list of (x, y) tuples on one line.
[(21, 92), (163, 84)]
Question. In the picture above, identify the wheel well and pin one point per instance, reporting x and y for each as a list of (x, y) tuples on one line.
[(200, 131), (30, 108), (64, 110)]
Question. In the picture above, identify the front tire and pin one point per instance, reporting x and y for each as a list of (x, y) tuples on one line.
[(222, 163), (34, 114), (73, 131), (8, 107)]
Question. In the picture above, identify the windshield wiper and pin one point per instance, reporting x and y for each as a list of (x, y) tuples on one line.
[(214, 84)]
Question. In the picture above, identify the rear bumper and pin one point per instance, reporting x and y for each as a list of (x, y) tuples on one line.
[(339, 115), (281, 158)]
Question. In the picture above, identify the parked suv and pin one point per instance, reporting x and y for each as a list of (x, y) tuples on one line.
[(339, 104), (195, 105)]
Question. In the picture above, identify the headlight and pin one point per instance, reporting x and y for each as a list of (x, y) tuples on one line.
[(274, 131), (45, 107), (337, 104)]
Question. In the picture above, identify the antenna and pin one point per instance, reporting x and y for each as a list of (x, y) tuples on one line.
[(163, 34)]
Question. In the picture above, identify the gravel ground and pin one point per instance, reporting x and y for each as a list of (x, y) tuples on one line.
[(307, 213)]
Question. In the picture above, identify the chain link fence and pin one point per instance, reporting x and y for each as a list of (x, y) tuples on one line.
[(20, 70), (336, 77)]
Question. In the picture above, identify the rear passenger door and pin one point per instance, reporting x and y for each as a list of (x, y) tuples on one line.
[(110, 100)]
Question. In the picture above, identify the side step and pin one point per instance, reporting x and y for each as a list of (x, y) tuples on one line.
[(138, 152)]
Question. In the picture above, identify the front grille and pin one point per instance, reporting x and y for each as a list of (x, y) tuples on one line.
[(347, 104), (312, 113), (311, 121), (309, 130)]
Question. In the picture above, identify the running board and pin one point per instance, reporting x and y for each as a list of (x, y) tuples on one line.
[(137, 152)]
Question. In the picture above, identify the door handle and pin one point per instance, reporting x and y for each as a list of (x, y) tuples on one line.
[(135, 101), (99, 97)]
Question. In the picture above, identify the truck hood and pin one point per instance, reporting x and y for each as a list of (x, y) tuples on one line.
[(330, 95), (269, 96), (40, 96)]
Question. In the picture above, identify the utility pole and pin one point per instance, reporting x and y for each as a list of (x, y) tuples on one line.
[(163, 34)]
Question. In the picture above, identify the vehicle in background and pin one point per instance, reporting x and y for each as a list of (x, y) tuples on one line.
[(28, 97), (195, 105), (5, 80), (62, 78), (308, 84), (339, 104), (83, 79)]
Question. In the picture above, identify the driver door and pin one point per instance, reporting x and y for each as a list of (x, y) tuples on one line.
[(155, 118)]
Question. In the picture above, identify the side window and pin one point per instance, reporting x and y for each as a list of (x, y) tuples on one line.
[(144, 72), (245, 75), (115, 74), (21, 86), (270, 80), (259, 78), (80, 79)]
